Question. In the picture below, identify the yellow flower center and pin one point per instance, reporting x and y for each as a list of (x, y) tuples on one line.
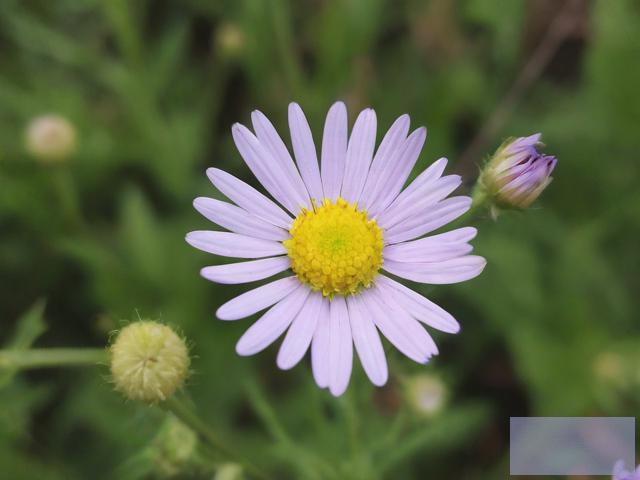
[(335, 248)]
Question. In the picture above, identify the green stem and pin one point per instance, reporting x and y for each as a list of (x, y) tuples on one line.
[(480, 201), (187, 416), (284, 45), (479, 198), (52, 357), (120, 18), (347, 403), (67, 194), (393, 433), (306, 460), (267, 415)]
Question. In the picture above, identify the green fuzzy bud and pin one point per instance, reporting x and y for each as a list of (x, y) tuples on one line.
[(426, 394), (50, 138), (149, 361)]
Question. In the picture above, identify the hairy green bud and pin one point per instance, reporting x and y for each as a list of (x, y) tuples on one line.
[(149, 361)]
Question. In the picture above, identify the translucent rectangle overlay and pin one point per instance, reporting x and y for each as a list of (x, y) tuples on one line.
[(570, 445)]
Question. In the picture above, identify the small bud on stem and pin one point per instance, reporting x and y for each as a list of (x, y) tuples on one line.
[(149, 361), (50, 138), (516, 174), (425, 393)]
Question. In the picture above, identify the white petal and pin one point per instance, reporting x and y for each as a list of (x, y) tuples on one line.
[(418, 306), (334, 150), (340, 347), (459, 235), (238, 220), (320, 347), (404, 332), (419, 202), (359, 155), (428, 221), (266, 169), (249, 198), (367, 342), (299, 336), (410, 151), (618, 469), (384, 161), (269, 138), (305, 152), (421, 251), (432, 249), (257, 299), (272, 324), (245, 272), (229, 244), (421, 183), (450, 271)]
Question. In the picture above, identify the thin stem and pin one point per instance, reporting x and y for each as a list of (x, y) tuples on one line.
[(480, 200), (315, 410), (67, 194), (187, 416), (268, 415), (120, 17), (284, 44), (396, 428), (560, 28), (349, 412), (309, 462), (52, 357)]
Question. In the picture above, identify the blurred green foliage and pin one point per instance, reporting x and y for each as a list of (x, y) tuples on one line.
[(152, 87)]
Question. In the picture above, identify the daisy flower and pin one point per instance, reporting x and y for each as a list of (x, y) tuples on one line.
[(335, 226)]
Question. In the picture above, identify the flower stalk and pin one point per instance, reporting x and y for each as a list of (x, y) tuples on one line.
[(187, 416), (52, 357)]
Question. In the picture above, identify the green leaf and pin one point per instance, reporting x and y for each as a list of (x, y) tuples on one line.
[(30, 326)]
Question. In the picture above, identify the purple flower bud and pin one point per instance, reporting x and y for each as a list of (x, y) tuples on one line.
[(518, 173), (619, 472)]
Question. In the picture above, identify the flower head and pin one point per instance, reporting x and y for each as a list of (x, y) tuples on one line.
[(335, 248), (517, 174), (50, 138), (336, 225), (149, 361), (619, 472)]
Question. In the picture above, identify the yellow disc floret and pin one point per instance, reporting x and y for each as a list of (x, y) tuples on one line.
[(335, 248)]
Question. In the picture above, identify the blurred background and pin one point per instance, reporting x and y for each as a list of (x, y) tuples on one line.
[(138, 99)]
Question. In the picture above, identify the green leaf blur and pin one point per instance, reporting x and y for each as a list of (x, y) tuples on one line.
[(152, 88)]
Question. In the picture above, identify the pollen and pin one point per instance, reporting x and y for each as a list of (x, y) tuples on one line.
[(335, 248)]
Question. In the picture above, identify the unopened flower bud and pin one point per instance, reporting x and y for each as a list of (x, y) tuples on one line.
[(426, 394), (229, 471), (230, 40), (149, 361), (517, 173), (619, 369), (174, 448), (609, 367), (50, 138)]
